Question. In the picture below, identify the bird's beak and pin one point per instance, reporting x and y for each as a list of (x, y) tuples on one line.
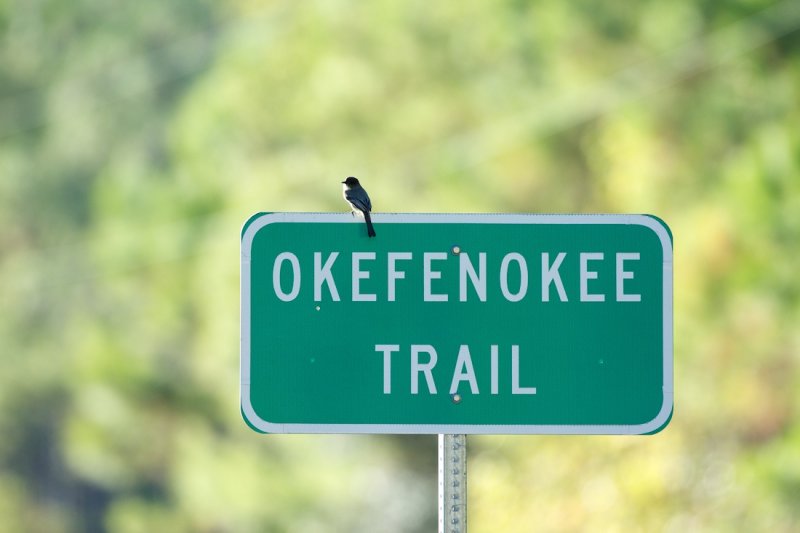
[(343, 182)]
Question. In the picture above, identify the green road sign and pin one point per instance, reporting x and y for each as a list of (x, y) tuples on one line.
[(537, 324)]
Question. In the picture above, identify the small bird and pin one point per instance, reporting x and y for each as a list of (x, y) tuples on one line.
[(357, 197)]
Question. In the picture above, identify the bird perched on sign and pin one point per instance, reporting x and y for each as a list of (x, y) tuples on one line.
[(359, 202)]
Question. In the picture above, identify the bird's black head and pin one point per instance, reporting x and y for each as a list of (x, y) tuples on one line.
[(351, 181)]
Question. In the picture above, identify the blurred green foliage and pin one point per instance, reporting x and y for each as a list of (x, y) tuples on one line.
[(136, 138)]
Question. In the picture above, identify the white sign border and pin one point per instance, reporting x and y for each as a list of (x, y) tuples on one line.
[(260, 220)]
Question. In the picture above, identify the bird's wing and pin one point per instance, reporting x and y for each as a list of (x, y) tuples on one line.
[(359, 199)]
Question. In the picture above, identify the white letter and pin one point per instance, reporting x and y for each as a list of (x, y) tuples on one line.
[(622, 275), (550, 274), (478, 279), (359, 274), (426, 368), (586, 275), (515, 388), (387, 350), (276, 276), (523, 277), (393, 273), (429, 275), (464, 371), (322, 274), (494, 369)]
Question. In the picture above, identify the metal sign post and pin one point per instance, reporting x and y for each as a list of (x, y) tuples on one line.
[(452, 483)]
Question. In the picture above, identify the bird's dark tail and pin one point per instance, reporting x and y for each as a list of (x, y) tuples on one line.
[(370, 229)]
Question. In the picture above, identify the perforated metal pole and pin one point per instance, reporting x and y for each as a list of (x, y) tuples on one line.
[(452, 483)]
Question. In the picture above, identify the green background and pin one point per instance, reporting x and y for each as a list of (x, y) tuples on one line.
[(135, 137), (592, 362)]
